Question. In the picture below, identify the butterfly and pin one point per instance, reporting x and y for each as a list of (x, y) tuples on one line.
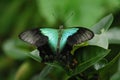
[(56, 44)]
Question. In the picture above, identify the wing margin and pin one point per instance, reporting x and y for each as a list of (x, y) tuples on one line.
[(34, 37), (81, 35)]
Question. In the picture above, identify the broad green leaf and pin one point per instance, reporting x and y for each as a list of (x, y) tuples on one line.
[(88, 56), (35, 55), (103, 24), (114, 35), (44, 73), (111, 68), (116, 76), (100, 40), (101, 37), (12, 49), (102, 63)]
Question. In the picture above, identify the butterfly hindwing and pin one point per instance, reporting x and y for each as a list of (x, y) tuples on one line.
[(81, 35), (34, 37)]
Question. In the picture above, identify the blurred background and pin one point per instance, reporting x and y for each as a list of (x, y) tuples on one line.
[(19, 15)]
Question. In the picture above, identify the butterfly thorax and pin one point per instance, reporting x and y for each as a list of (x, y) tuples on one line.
[(60, 31)]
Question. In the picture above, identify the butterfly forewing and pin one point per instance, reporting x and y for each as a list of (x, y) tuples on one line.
[(65, 34), (52, 35), (81, 35), (34, 37)]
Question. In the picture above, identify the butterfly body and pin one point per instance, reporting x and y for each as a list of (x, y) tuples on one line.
[(56, 44)]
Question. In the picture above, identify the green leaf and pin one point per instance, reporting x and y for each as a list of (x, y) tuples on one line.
[(43, 74), (100, 40), (114, 35), (88, 56), (101, 37), (102, 63), (111, 68), (12, 49), (103, 24), (116, 76), (35, 55)]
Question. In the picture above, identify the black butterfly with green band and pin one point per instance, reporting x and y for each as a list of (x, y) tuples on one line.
[(56, 44)]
